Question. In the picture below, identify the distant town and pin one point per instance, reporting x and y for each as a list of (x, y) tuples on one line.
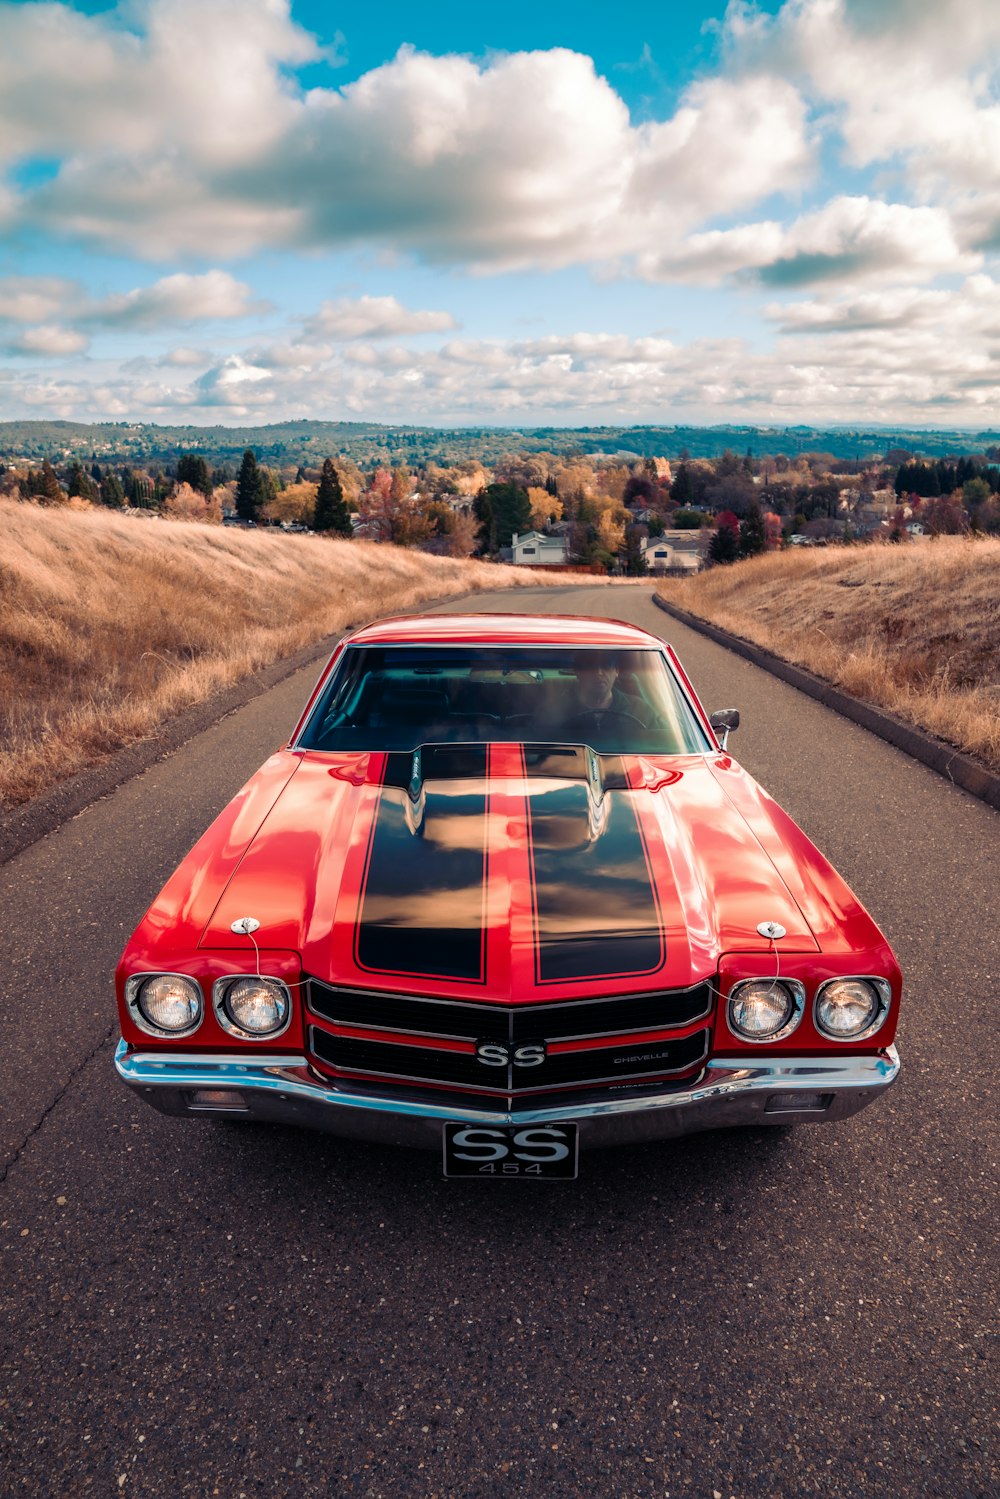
[(611, 500)]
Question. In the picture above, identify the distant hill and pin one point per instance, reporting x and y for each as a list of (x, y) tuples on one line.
[(307, 442)]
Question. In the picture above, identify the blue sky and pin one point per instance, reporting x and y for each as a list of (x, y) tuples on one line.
[(245, 210)]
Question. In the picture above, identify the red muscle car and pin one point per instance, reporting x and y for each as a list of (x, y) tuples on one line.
[(504, 894)]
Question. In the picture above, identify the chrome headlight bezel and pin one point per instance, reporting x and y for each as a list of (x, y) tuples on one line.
[(883, 1002), (797, 998), (220, 992), (134, 986)]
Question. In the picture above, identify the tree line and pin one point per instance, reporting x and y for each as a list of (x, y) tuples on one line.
[(606, 509)]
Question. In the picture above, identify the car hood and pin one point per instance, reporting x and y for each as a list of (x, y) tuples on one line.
[(524, 872)]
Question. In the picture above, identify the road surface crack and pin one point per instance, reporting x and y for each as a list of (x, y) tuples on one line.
[(54, 1103)]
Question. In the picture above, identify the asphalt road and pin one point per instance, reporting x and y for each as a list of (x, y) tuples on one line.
[(202, 1309)]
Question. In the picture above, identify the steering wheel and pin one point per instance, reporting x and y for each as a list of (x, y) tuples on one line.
[(602, 719)]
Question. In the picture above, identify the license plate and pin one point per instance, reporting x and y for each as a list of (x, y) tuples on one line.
[(511, 1152)]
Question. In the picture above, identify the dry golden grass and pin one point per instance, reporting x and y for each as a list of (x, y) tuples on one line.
[(110, 624), (914, 628)]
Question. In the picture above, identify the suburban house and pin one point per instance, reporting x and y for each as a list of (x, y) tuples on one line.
[(675, 551), (535, 549)]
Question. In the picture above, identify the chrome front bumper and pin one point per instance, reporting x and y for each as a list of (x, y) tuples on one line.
[(730, 1091)]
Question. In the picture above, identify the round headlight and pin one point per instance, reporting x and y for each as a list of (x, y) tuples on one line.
[(846, 1009), (764, 1009), (257, 1006), (170, 1003)]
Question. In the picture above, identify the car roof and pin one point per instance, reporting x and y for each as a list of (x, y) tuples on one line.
[(503, 629)]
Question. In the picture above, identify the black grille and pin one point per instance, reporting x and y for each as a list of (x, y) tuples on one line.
[(515, 1023), (463, 1069)]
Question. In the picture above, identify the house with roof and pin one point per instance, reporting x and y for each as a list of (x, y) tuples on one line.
[(675, 551), (536, 549)]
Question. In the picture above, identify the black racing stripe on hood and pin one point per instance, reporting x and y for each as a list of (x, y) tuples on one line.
[(422, 910), (595, 904)]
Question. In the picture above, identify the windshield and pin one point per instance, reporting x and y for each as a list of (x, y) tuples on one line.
[(399, 697)]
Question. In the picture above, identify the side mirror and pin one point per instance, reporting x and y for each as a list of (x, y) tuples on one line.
[(724, 721)]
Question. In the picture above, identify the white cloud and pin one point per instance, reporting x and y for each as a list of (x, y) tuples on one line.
[(850, 240), (891, 355), (589, 349), (732, 142), (32, 299), (912, 83), (169, 302), (969, 312), (183, 358), (204, 78), (294, 355), (175, 299), (234, 383), (48, 340), (187, 136), (375, 317)]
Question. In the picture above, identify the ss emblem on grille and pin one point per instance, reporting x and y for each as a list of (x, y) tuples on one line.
[(499, 1054)]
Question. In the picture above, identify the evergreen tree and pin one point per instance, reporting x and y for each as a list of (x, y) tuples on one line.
[(139, 490), (331, 507), (193, 470), (112, 493), (753, 537), (80, 483), (249, 490), (635, 562), (682, 490), (163, 488), (725, 545), (44, 486), (486, 534), (502, 509)]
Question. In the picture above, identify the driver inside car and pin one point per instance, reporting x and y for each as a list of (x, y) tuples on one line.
[(597, 692)]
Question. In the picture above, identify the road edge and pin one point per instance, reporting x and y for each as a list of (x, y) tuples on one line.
[(43, 814), (961, 769), (34, 819)]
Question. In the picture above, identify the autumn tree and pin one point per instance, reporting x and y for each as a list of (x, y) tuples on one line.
[(463, 534), (641, 491), (293, 505), (945, 516), (731, 491), (187, 503), (331, 512), (610, 535), (401, 487), (545, 507), (376, 506)]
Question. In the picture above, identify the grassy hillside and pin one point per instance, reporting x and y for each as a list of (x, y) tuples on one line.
[(110, 624), (915, 629)]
